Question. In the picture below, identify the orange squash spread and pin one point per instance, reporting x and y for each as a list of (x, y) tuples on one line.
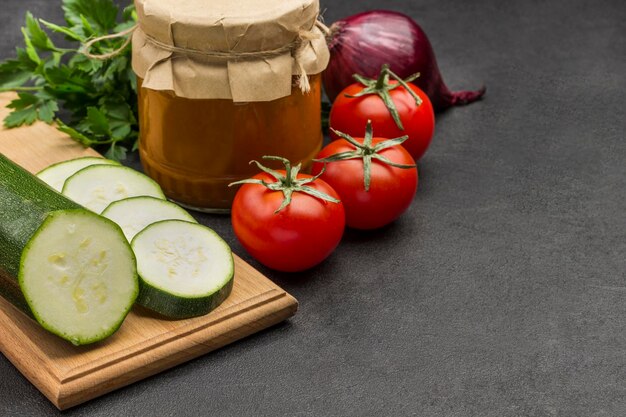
[(194, 148)]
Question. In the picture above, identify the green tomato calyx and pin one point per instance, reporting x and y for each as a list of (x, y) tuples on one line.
[(287, 183), (366, 152), (381, 87)]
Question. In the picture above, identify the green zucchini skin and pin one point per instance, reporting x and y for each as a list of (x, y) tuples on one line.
[(176, 307), (25, 203)]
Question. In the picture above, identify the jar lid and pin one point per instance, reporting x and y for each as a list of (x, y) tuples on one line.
[(243, 50)]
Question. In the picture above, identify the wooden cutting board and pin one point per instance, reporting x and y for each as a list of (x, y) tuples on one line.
[(145, 344)]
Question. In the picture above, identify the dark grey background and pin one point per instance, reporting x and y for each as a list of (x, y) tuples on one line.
[(500, 293)]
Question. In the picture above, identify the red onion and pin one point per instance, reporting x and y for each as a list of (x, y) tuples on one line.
[(362, 43)]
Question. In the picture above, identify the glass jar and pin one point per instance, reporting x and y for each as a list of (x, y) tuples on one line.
[(222, 84), (194, 148)]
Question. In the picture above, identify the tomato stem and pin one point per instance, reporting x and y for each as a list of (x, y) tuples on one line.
[(366, 152), (381, 87), (383, 78), (287, 183)]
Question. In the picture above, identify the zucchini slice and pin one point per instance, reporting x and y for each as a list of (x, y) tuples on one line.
[(185, 269), (70, 269), (77, 277), (135, 213), (97, 186), (56, 174)]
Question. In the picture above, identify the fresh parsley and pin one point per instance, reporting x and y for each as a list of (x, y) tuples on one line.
[(97, 100)]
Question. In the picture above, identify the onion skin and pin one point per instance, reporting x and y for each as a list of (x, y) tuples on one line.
[(362, 43)]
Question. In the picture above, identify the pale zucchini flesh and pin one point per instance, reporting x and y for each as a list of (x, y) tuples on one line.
[(77, 276), (56, 174), (185, 269), (135, 213), (95, 187)]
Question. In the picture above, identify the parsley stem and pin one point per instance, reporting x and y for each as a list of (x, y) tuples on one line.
[(3, 90)]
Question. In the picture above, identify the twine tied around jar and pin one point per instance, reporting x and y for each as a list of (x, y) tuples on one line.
[(296, 48)]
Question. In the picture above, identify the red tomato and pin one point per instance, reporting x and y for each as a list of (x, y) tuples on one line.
[(299, 236), (391, 189), (349, 115)]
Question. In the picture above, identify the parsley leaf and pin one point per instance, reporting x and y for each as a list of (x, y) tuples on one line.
[(98, 122), (13, 74), (117, 153), (39, 38), (30, 107), (96, 15)]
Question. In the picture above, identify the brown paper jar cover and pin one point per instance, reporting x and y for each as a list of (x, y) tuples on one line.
[(242, 50)]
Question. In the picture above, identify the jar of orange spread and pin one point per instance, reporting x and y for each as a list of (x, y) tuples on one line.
[(222, 83)]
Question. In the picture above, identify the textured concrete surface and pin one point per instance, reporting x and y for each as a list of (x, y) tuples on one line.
[(500, 293)]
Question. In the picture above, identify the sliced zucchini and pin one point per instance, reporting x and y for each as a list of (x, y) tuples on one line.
[(135, 213), (78, 279), (185, 269), (70, 269), (95, 187), (56, 174)]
